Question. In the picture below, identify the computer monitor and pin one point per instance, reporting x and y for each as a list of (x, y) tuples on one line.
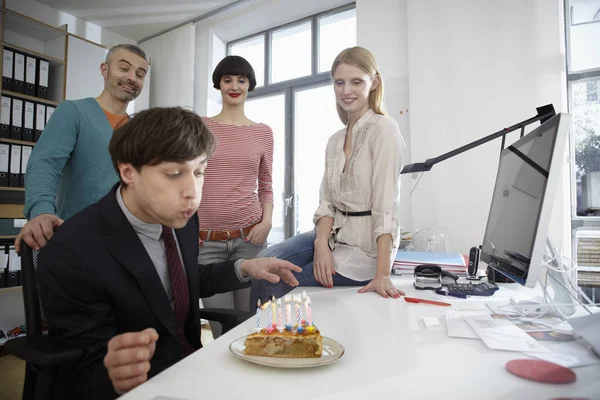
[(517, 228)]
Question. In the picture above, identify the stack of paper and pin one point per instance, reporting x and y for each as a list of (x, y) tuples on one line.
[(406, 261)]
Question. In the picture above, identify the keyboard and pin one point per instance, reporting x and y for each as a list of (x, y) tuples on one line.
[(470, 289)]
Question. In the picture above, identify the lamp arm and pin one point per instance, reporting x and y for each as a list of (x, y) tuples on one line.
[(544, 113)]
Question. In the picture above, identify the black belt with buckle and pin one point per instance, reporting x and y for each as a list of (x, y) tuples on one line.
[(356, 213)]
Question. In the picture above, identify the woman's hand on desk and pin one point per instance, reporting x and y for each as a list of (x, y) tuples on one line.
[(323, 264), (384, 286), (128, 358)]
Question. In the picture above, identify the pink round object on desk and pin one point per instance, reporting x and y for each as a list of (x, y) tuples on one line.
[(541, 371)]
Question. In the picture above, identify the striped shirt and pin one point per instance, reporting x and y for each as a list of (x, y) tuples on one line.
[(238, 176)]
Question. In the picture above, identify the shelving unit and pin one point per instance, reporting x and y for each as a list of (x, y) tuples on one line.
[(37, 39)]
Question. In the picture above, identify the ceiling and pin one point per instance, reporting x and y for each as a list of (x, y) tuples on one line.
[(136, 19)]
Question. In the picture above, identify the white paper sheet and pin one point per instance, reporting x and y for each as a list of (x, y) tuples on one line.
[(500, 334)]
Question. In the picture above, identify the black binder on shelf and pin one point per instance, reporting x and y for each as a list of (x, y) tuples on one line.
[(3, 265), (49, 112), (25, 153), (4, 158), (5, 112), (14, 268), (43, 72), (7, 70), (30, 75), (19, 73), (17, 119), (40, 120), (14, 178), (28, 127)]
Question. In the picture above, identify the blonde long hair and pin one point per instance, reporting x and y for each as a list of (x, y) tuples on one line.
[(364, 60)]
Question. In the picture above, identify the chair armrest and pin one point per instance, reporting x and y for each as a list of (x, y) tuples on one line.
[(225, 316), (43, 350)]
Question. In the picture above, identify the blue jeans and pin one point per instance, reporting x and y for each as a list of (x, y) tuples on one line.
[(298, 250)]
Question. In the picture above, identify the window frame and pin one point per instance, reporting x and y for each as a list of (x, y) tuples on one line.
[(574, 77)]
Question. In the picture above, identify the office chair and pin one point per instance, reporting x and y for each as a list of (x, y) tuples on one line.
[(228, 318), (45, 354)]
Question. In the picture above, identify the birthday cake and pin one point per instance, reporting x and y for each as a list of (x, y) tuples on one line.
[(301, 340)]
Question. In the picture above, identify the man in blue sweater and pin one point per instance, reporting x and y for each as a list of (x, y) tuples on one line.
[(70, 167)]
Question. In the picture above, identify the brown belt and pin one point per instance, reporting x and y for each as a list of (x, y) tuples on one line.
[(226, 235)]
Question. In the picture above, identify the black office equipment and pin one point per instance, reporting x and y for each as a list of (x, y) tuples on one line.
[(470, 289), (428, 277), (473, 263)]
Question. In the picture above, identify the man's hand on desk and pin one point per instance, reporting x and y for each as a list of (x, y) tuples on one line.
[(38, 231), (271, 269), (128, 358), (384, 286)]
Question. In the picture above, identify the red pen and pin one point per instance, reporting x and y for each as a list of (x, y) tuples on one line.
[(424, 301)]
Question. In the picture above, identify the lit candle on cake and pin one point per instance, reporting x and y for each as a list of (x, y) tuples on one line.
[(298, 310), (258, 314), (273, 320), (279, 315), (267, 305), (308, 311), (288, 310), (304, 296)]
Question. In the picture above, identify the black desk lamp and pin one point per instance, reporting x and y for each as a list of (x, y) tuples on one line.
[(544, 113)]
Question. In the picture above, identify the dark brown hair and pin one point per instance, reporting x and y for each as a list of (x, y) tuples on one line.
[(161, 134)]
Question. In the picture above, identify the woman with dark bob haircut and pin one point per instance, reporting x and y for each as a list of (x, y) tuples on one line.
[(237, 199)]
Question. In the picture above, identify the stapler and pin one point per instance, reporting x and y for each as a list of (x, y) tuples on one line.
[(432, 277)]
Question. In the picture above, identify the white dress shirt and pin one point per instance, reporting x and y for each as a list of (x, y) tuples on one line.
[(369, 182)]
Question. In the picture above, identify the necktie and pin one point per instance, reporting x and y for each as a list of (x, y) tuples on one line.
[(179, 286)]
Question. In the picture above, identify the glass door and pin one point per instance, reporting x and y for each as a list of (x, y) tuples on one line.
[(315, 120), (271, 111)]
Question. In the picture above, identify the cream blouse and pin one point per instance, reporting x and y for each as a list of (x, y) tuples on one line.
[(369, 182)]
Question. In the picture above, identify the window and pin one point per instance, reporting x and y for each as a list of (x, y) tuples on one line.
[(336, 32), (291, 54), (295, 98), (583, 76), (253, 50)]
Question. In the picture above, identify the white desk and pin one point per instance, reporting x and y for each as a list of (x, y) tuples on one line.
[(389, 352)]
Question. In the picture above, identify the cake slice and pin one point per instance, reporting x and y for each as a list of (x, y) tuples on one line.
[(286, 344)]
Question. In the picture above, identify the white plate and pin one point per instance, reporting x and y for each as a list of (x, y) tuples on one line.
[(332, 351)]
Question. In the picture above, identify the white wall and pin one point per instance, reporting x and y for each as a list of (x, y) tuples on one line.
[(76, 26), (475, 67), (392, 57), (172, 56)]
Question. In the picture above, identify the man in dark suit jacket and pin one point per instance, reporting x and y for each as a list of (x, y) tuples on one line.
[(120, 279)]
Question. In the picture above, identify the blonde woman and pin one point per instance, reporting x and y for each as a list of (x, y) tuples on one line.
[(357, 229)]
